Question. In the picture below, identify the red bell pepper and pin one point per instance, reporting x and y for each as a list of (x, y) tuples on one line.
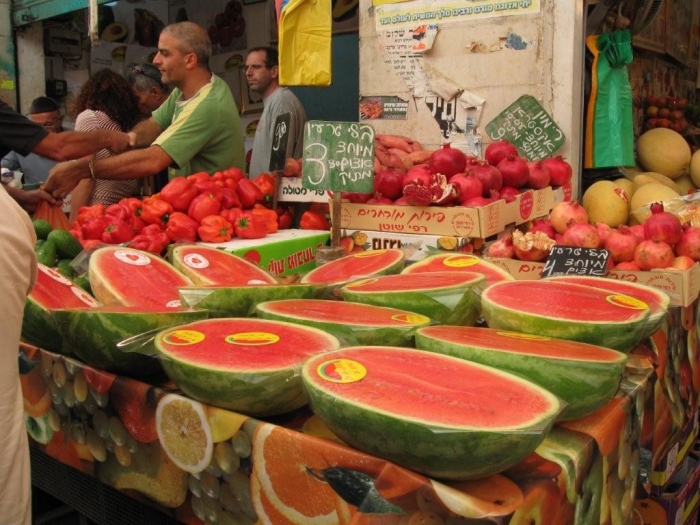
[(201, 176), (85, 212), (181, 227), (284, 218), (94, 226), (156, 211), (250, 227), (134, 204), (229, 198), (203, 205), (118, 212), (151, 239), (268, 216), (311, 220), (214, 228), (224, 181), (179, 192), (266, 183), (117, 231), (231, 215), (234, 173), (248, 193), (210, 187)]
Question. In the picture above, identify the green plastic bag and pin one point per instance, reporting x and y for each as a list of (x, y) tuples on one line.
[(609, 122)]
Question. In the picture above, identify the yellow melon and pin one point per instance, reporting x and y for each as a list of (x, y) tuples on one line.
[(695, 168), (686, 184), (650, 176), (606, 202), (626, 184), (664, 151), (644, 196)]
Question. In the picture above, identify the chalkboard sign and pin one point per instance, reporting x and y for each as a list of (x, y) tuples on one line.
[(526, 124), (573, 260), (338, 156), (280, 137)]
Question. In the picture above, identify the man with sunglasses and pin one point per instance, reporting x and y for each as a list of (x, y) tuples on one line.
[(261, 73), (196, 129)]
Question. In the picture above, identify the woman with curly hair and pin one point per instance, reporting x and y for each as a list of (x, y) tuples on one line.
[(105, 101)]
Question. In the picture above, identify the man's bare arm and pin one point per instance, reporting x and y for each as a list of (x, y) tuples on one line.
[(144, 133), (73, 144)]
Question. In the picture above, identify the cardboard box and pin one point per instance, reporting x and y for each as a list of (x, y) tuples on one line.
[(283, 253), (456, 221), (682, 287)]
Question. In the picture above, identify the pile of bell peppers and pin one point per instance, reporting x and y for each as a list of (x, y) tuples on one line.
[(201, 207)]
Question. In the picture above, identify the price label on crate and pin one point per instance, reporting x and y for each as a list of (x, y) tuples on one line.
[(338, 156), (526, 124), (280, 137), (574, 260)]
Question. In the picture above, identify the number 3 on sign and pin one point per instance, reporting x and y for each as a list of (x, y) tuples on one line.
[(317, 154)]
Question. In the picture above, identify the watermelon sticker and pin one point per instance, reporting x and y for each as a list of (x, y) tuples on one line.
[(55, 275), (362, 282), (132, 257), (625, 301), (341, 371), (175, 303), (370, 253), (183, 337), (195, 260), (252, 338), (461, 261), (411, 318), (84, 296), (521, 335)]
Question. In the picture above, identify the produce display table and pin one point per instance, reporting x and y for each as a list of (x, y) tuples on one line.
[(143, 440)]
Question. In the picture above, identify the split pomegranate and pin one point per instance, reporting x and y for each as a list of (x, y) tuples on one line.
[(621, 243), (544, 226), (662, 225), (497, 151), (531, 246), (514, 171), (689, 243), (564, 212), (502, 248), (560, 171), (538, 175), (581, 234), (653, 254), (447, 161)]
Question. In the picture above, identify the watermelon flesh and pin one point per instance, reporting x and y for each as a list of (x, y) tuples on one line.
[(566, 311), (439, 415), (584, 376), (251, 366), (51, 291), (128, 277), (352, 323), (446, 297), (451, 262), (99, 335), (205, 265)]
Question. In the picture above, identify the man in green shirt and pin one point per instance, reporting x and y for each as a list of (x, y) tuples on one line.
[(196, 129)]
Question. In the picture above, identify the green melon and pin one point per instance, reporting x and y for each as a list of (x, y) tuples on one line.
[(439, 415), (128, 277), (352, 323), (446, 297), (459, 262), (567, 311), (582, 375), (99, 335), (210, 266), (51, 291), (247, 365), (240, 301)]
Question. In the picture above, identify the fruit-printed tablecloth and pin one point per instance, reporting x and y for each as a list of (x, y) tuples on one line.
[(203, 464)]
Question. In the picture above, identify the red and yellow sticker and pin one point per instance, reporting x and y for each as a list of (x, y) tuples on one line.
[(461, 261), (361, 282), (520, 335), (341, 371), (625, 301), (252, 338), (410, 318), (183, 337), (369, 253)]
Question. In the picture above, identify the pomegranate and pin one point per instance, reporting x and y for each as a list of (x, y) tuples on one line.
[(514, 171), (447, 161), (581, 234), (443, 191), (544, 226), (508, 193), (502, 248), (402, 201), (629, 266), (689, 243), (417, 193), (603, 231), (378, 198), (469, 186), (638, 231), (481, 201), (662, 225), (621, 243), (560, 171), (497, 151), (564, 212), (531, 246), (538, 177), (419, 171), (489, 176), (389, 183), (357, 198), (653, 254), (682, 262), (437, 191)]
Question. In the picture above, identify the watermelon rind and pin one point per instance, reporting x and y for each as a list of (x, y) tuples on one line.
[(582, 382), (459, 262), (426, 443), (658, 300), (205, 265), (457, 303), (240, 301), (258, 391), (372, 327), (97, 335), (541, 308)]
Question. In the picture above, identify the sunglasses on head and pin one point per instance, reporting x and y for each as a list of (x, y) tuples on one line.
[(138, 70)]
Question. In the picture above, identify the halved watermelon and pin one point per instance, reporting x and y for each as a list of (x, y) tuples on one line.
[(352, 323), (584, 376), (657, 300), (128, 277), (210, 266), (240, 301), (52, 290), (251, 366), (446, 297), (98, 335), (355, 266), (568, 311), (439, 415), (459, 262)]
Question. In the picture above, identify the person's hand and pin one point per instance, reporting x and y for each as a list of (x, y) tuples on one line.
[(30, 199), (65, 176), (120, 142)]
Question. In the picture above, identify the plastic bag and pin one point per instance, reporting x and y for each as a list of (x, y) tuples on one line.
[(609, 121), (54, 215)]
